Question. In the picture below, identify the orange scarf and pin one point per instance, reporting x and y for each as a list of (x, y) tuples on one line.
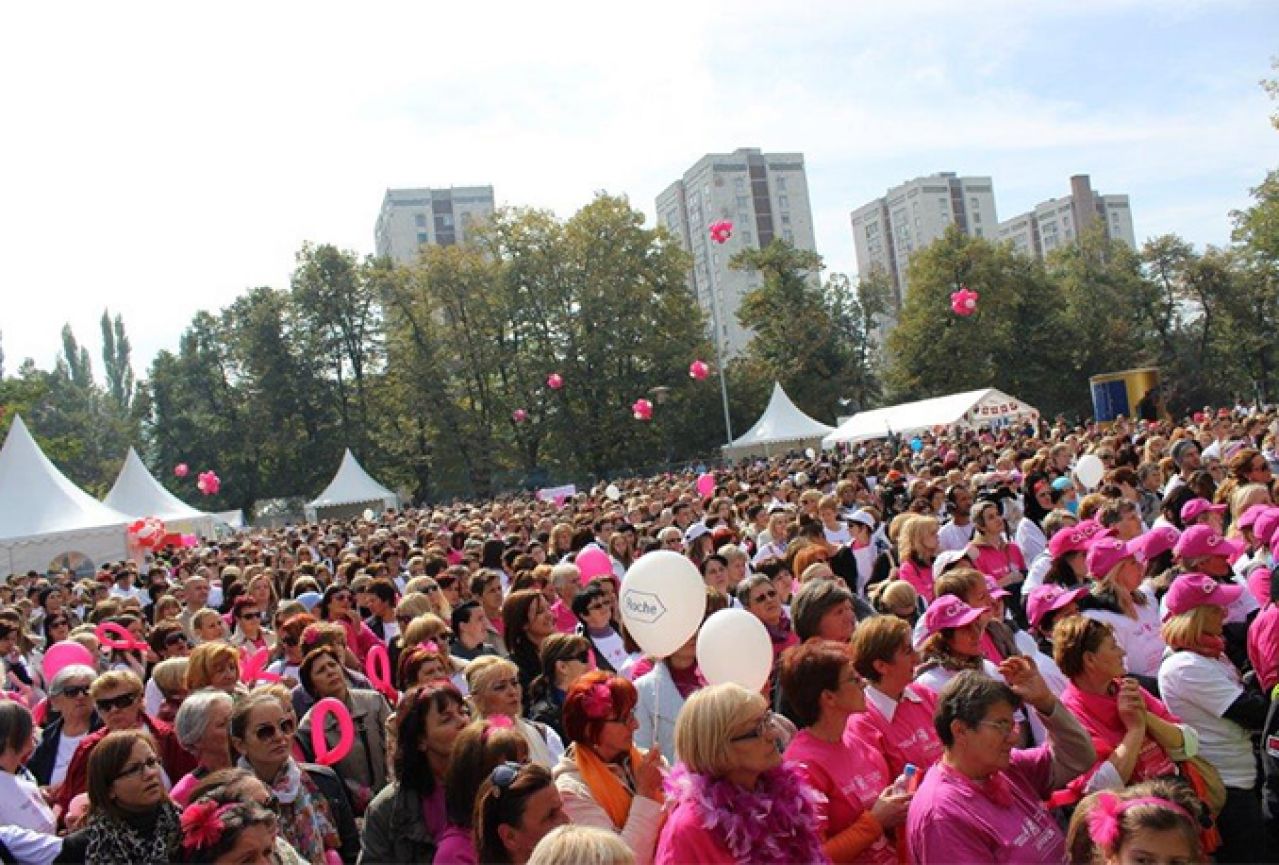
[(608, 790)]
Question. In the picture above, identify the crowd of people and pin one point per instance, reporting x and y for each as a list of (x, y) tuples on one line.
[(977, 657)]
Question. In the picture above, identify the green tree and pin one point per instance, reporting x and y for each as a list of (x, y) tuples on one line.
[(117, 362), (1252, 312)]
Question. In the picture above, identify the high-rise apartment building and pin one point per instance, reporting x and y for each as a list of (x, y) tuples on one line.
[(765, 196), (889, 230), (1058, 222), (413, 218)]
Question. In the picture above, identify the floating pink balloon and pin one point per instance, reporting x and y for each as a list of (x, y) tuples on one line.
[(705, 484), (964, 301), (377, 666), (593, 562), (146, 533), (209, 483), (181, 470), (346, 731), (519, 415), (721, 231), (555, 381), (698, 369), (642, 409)]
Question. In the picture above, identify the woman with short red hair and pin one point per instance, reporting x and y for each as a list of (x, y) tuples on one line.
[(603, 779)]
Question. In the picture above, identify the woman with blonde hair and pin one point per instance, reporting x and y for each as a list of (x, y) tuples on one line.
[(573, 844), (917, 547), (494, 685), (213, 665)]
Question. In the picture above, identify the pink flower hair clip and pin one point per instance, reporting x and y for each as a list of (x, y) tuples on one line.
[(597, 702), (202, 825)]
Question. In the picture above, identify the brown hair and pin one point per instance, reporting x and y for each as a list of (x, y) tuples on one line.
[(808, 670), (106, 761), (1073, 636), (878, 639)]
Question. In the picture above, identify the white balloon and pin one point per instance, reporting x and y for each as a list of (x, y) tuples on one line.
[(811, 454), (368, 513), (734, 646), (1089, 470), (663, 600), (612, 492)]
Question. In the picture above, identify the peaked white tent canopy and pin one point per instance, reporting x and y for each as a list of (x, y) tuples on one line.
[(351, 492), (138, 494), (782, 426), (972, 408), (43, 516)]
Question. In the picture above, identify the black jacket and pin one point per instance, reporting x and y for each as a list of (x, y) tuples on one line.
[(46, 753), (335, 791), (393, 828)]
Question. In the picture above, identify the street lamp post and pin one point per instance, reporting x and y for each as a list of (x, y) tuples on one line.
[(719, 355)]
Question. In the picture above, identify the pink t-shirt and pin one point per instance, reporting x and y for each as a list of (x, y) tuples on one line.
[(953, 819), (1263, 646), (565, 621), (909, 736), (997, 563), (919, 577), (851, 775)]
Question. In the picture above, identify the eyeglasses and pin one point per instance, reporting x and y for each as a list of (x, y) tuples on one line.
[(626, 720), (123, 701), (581, 658), (268, 732), (766, 724), (253, 614), (1005, 728), (138, 768), (73, 691), (504, 775), (764, 596)]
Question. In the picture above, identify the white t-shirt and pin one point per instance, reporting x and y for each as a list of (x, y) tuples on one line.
[(1198, 690), (33, 848), (1035, 573), (1030, 540), (66, 750), (613, 649), (953, 537), (840, 535), (1139, 637), (1053, 676), (22, 805)]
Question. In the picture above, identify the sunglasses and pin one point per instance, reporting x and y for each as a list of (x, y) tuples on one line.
[(123, 701), (581, 658), (267, 732), (764, 596), (58, 623), (73, 691), (177, 640), (767, 723)]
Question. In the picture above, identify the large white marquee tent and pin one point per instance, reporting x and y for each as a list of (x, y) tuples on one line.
[(972, 408), (138, 494), (351, 492), (782, 427), (43, 516)]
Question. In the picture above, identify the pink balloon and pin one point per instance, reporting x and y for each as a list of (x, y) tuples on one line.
[(116, 637), (64, 654), (555, 381), (346, 731), (519, 415), (593, 562), (705, 484), (181, 470), (642, 409), (699, 370), (377, 666), (253, 667)]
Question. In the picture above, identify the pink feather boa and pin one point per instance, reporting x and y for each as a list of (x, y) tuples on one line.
[(774, 823)]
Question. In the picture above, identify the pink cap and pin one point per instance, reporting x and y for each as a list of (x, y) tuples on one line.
[(1259, 585), (1198, 590), (1154, 542), (1049, 599), (996, 591), (1105, 554), (1076, 538), (1265, 525), (948, 611), (1200, 540), (1196, 508), (1248, 518)]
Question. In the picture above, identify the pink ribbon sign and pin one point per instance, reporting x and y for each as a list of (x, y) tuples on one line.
[(377, 666), (346, 731), (117, 638)]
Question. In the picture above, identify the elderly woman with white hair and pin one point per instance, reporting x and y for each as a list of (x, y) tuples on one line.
[(566, 581), (69, 701), (201, 727)]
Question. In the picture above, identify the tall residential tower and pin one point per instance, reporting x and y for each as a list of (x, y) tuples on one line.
[(413, 218), (1059, 221)]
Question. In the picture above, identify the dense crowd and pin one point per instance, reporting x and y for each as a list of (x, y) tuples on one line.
[(978, 657)]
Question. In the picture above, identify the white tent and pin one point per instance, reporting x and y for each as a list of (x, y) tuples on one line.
[(781, 427), (43, 516), (973, 408), (138, 494), (351, 492)]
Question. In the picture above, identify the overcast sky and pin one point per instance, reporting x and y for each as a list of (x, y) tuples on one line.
[(158, 159)]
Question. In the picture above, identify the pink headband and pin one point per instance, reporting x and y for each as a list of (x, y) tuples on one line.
[(1103, 820)]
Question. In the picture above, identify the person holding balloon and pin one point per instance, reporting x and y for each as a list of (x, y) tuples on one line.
[(603, 779), (363, 768), (315, 813), (824, 691)]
